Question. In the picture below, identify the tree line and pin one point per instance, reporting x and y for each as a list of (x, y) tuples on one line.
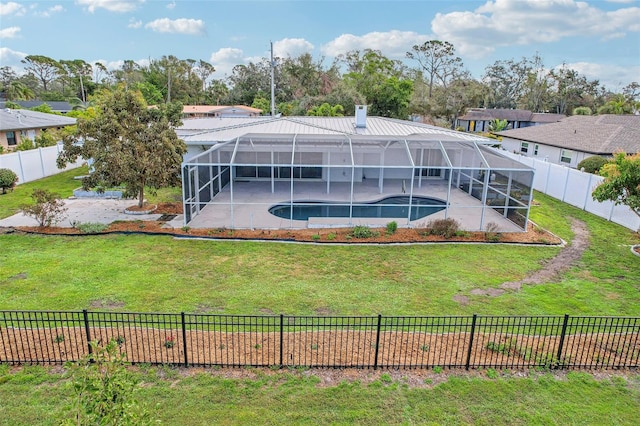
[(437, 84)]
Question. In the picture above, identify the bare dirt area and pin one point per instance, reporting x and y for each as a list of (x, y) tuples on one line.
[(534, 234), (567, 258), (323, 348)]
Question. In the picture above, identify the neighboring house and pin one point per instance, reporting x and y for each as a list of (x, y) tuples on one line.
[(224, 111), (571, 140), (299, 172), (56, 106), (479, 119), (17, 125)]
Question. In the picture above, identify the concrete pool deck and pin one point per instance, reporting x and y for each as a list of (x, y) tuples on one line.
[(252, 200)]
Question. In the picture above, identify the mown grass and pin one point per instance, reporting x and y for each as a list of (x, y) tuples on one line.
[(62, 184), (157, 273), (36, 395)]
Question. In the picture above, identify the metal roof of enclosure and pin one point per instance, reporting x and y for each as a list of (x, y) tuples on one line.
[(242, 182)]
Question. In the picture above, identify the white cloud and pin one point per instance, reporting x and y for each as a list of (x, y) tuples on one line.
[(171, 5), (178, 26), (226, 58), (50, 11), (291, 47), (613, 77), (502, 23), (135, 24), (11, 32), (11, 8), (111, 5), (11, 58), (393, 43)]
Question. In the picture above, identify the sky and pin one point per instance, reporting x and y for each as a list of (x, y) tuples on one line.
[(600, 39)]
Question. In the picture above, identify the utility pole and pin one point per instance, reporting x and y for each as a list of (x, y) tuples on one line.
[(273, 99)]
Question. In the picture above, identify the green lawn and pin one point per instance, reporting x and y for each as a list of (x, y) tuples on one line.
[(37, 396), (158, 273), (62, 184), (155, 273)]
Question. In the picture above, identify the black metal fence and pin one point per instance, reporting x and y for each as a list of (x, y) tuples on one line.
[(46, 337)]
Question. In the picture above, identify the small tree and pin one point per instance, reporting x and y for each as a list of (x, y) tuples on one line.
[(621, 181), (130, 144), (104, 390), (47, 210), (8, 180)]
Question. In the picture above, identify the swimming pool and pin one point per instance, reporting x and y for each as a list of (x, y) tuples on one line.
[(391, 207)]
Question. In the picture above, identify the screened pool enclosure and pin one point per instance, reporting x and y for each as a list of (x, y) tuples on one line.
[(267, 181)]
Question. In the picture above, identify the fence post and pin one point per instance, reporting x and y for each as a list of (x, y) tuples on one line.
[(85, 314), (561, 344), (184, 340), (473, 330), (281, 339), (375, 359)]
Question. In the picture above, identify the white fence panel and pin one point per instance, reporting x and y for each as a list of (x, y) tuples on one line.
[(35, 164), (575, 187), (557, 181)]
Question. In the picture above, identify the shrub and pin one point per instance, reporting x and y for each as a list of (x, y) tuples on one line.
[(25, 145), (103, 390), (362, 232), (8, 180), (492, 233), (392, 227), (47, 210), (444, 227), (592, 164), (582, 111)]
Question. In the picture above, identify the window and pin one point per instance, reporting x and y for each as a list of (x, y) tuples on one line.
[(535, 149), (11, 138), (524, 147), (565, 156)]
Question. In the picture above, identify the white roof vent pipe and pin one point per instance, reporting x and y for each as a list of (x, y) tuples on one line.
[(361, 116)]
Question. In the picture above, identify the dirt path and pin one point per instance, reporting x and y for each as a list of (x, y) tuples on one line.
[(552, 270)]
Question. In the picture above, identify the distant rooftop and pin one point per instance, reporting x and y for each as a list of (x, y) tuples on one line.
[(594, 134), (56, 106), (23, 119), (484, 114)]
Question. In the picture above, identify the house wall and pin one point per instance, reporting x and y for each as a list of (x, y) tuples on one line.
[(551, 154), (20, 136)]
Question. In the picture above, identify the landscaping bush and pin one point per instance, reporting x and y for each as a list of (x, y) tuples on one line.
[(8, 180), (443, 227), (592, 164), (392, 227), (363, 232), (492, 233), (47, 210)]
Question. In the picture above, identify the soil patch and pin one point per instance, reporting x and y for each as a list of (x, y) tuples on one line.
[(534, 235), (567, 258), (318, 348)]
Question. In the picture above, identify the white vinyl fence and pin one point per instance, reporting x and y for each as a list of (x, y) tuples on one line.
[(35, 163), (575, 187)]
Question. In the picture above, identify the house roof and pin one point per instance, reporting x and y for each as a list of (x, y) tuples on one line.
[(210, 109), (214, 130), (23, 119), (600, 134), (482, 114), (57, 106)]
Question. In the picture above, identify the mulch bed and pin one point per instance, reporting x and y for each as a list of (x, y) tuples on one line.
[(339, 348), (534, 235)]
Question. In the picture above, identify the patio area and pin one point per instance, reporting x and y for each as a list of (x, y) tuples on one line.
[(249, 208)]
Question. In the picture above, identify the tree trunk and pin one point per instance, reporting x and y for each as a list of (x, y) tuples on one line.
[(141, 197)]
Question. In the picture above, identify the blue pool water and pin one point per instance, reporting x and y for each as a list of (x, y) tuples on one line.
[(392, 207)]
